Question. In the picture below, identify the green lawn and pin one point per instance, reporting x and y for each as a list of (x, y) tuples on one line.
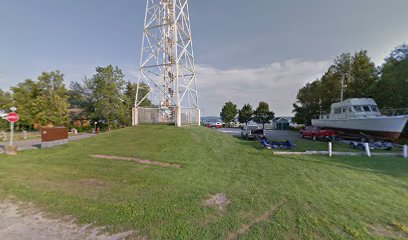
[(271, 197)]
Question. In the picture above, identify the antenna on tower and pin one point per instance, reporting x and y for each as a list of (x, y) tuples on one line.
[(168, 74)]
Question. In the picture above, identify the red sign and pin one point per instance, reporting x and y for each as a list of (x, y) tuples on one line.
[(13, 117)]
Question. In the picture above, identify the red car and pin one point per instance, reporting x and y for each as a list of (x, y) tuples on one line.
[(213, 125), (315, 133)]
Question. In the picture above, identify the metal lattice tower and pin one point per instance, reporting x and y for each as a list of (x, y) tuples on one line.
[(167, 65)]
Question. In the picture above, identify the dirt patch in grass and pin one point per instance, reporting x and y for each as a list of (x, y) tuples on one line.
[(92, 182), (246, 227), (25, 222), (219, 201), (142, 161), (386, 231)]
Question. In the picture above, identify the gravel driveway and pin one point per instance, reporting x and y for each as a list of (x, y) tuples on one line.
[(23, 222)]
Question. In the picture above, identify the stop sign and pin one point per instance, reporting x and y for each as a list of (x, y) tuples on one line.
[(12, 117)]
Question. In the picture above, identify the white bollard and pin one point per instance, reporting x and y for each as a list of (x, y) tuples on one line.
[(405, 151), (330, 149), (367, 148)]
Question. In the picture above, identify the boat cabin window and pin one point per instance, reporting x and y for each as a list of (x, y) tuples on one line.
[(337, 110), (358, 108), (367, 109), (374, 108), (343, 110)]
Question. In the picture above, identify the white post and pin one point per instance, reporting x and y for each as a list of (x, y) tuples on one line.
[(11, 133), (135, 117), (178, 116), (405, 151), (330, 149), (367, 148), (198, 116)]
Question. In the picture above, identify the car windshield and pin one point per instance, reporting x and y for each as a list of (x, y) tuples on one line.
[(253, 127)]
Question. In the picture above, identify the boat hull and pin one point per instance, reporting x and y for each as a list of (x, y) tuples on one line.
[(380, 127)]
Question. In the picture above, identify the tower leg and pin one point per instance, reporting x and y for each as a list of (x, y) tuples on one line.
[(178, 116), (135, 117), (198, 116)]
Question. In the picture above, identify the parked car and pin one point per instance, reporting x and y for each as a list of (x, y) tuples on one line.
[(213, 125), (316, 133), (252, 131)]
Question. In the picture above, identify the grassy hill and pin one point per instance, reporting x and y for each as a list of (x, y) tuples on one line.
[(284, 197)]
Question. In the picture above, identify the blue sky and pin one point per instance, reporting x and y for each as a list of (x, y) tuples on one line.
[(246, 51)]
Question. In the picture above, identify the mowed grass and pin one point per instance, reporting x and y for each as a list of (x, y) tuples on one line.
[(275, 197)]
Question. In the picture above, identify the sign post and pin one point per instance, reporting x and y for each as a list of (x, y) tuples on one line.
[(12, 117)]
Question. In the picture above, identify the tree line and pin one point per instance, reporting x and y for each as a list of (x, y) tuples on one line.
[(386, 84), (261, 114), (106, 98)]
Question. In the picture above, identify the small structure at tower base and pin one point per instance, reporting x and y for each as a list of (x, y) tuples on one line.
[(172, 116)]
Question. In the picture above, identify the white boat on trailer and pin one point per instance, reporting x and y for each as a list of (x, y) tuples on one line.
[(361, 115)]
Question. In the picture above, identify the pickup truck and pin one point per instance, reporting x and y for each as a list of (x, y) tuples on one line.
[(316, 133), (252, 132)]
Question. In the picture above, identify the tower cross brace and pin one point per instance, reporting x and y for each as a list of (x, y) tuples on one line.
[(167, 67)]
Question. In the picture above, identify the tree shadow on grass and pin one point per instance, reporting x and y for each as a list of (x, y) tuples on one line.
[(251, 143)]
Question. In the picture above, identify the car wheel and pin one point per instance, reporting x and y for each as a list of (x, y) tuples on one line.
[(352, 145), (314, 137)]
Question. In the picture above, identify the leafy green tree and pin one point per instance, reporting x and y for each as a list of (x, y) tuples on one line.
[(130, 96), (42, 102), (359, 74), (6, 100), (400, 53), (51, 104), (391, 89), (229, 112), (358, 71), (245, 114), (108, 100), (24, 96), (262, 114), (78, 96), (307, 103), (364, 74)]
